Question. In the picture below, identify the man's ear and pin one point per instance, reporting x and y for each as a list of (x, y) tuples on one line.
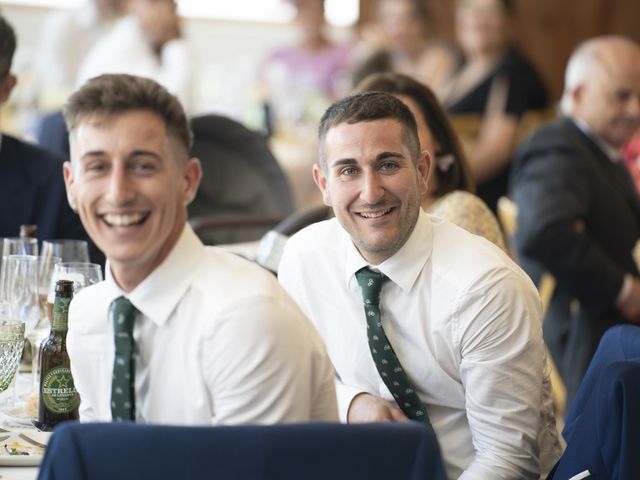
[(423, 166), (192, 177), (6, 86), (67, 170), (320, 178)]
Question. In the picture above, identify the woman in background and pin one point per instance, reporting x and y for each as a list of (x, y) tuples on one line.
[(404, 40), (450, 193), (495, 82), (301, 80)]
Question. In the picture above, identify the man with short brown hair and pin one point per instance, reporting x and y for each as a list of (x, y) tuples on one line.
[(176, 333), (422, 320)]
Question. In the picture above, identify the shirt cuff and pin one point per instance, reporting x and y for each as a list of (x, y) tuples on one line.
[(345, 395), (625, 291)]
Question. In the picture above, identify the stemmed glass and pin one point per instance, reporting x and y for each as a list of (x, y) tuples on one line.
[(68, 250), (20, 303), (16, 246), (82, 274), (46, 267), (21, 288)]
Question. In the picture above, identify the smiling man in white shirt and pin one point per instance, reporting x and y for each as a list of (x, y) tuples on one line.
[(463, 320), (211, 338)]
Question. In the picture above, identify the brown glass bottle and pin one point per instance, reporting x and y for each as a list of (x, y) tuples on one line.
[(59, 399), (28, 231)]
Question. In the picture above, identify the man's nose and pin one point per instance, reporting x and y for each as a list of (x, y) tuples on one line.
[(372, 189), (120, 190)]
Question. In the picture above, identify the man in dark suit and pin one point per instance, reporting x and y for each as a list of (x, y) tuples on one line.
[(578, 211), (31, 184)]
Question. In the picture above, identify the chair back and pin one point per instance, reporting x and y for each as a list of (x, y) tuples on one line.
[(242, 182), (508, 216), (310, 451), (52, 134), (603, 426), (621, 342)]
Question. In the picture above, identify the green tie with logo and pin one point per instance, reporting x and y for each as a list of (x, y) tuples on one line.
[(123, 316), (385, 359)]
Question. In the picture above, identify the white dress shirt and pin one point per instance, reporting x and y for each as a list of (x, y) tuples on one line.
[(125, 49), (465, 323), (217, 342)]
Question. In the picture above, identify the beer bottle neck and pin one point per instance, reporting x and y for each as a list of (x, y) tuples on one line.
[(59, 322)]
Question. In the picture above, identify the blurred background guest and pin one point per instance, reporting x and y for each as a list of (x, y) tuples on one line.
[(300, 80), (496, 82), (451, 190), (147, 42), (66, 39), (404, 40), (31, 184), (578, 210)]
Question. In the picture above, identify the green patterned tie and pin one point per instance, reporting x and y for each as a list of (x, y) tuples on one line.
[(123, 316), (385, 359)]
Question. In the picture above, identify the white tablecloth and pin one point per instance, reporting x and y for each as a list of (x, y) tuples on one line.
[(24, 387)]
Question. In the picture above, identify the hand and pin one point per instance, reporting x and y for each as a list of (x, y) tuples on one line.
[(630, 307), (367, 408)]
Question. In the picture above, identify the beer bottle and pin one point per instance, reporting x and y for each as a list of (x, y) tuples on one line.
[(59, 399), (28, 231)]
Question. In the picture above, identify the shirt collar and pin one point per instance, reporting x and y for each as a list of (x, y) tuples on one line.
[(614, 154), (158, 294), (405, 265)]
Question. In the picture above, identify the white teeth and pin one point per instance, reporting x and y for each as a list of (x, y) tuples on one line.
[(123, 220), (375, 214)]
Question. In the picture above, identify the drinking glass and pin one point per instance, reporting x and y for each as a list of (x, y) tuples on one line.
[(41, 332), (68, 250), (20, 289), (82, 274), (16, 246), (19, 296), (11, 344), (19, 246), (46, 266)]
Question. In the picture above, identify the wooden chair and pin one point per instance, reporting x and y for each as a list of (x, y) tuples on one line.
[(507, 214)]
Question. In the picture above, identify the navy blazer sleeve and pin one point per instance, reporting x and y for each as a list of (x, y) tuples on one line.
[(32, 191)]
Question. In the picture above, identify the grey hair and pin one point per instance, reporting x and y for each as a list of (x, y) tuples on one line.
[(587, 60)]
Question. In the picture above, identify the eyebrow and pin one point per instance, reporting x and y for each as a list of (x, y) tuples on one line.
[(135, 153), (381, 156)]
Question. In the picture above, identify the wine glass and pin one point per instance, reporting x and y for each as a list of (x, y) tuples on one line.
[(20, 289), (46, 266), (20, 295), (19, 246), (41, 332), (16, 246), (68, 250), (82, 274)]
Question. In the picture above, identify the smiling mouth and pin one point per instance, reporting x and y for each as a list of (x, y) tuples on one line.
[(125, 220), (376, 214)]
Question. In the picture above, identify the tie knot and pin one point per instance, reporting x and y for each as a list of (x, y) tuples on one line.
[(123, 314), (370, 283)]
